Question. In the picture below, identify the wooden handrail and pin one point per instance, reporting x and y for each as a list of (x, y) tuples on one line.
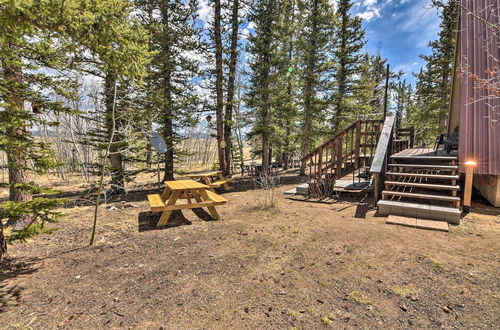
[(382, 146), (329, 142), (379, 163)]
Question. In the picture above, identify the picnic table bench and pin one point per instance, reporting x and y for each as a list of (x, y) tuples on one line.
[(206, 178), (188, 190)]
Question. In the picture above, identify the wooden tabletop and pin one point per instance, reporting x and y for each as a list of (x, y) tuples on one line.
[(185, 185), (203, 174)]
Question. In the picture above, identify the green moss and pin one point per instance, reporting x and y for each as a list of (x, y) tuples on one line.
[(435, 264), (404, 291), (294, 314), (327, 319), (359, 297)]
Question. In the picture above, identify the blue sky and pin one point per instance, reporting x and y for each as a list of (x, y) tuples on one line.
[(402, 28)]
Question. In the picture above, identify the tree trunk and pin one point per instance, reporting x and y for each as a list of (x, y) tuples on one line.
[(218, 88), (169, 140), (17, 158), (3, 244), (168, 126), (115, 155), (309, 92), (230, 87)]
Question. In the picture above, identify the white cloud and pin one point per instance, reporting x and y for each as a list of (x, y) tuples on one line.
[(204, 12), (369, 9), (420, 22)]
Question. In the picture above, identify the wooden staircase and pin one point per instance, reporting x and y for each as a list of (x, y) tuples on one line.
[(422, 185), (351, 150)]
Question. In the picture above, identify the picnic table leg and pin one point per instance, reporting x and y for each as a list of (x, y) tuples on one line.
[(225, 185), (165, 194), (208, 182), (196, 196), (211, 209), (166, 214)]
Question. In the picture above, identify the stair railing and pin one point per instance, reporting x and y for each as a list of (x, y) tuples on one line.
[(342, 152), (382, 153)]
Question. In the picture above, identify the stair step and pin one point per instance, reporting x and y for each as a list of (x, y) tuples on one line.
[(422, 185), (425, 175), (420, 211), (420, 196), (436, 167), (430, 157)]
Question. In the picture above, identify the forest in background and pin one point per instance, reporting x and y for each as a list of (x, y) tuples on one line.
[(83, 81)]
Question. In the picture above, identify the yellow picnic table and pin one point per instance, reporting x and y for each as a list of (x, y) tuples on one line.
[(206, 178), (188, 190)]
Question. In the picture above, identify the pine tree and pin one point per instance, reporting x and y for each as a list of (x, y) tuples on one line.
[(170, 86), (40, 39), (233, 59), (350, 40), (286, 81), (316, 38), (261, 47), (434, 82)]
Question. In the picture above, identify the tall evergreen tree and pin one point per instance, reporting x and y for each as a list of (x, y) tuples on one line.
[(40, 38), (261, 49), (350, 40), (219, 88), (233, 59), (285, 117), (175, 39), (434, 81), (316, 38)]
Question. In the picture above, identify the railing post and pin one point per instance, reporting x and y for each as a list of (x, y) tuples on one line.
[(376, 187), (338, 169), (412, 136), (358, 142)]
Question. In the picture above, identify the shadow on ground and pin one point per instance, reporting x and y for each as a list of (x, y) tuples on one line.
[(10, 294)]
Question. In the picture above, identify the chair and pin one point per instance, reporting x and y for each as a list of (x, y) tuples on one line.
[(449, 140)]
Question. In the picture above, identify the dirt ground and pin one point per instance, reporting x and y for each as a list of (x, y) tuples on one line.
[(298, 265)]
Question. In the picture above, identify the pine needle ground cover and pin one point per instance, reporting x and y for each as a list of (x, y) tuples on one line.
[(302, 265)]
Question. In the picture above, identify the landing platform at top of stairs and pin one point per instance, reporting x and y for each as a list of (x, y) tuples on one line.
[(424, 154)]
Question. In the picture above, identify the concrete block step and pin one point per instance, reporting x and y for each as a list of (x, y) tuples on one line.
[(419, 211), (417, 223)]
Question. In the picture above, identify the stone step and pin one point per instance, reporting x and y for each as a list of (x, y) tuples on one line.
[(420, 211)]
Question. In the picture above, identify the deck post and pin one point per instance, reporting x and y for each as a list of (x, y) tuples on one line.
[(469, 175)]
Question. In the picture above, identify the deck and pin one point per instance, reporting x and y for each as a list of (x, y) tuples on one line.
[(424, 153)]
